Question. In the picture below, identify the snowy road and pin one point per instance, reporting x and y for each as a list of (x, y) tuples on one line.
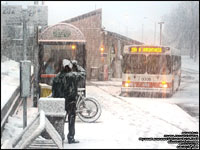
[(188, 95), (124, 120)]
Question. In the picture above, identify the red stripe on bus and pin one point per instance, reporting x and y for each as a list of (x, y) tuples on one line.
[(48, 75), (146, 84)]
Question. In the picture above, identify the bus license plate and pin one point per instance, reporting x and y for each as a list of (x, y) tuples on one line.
[(146, 84)]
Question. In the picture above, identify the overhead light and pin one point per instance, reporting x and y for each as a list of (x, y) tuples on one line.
[(73, 47)]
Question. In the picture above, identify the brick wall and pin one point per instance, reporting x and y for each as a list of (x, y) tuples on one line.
[(90, 25), (114, 44)]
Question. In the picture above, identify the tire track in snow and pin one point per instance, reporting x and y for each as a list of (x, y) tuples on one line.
[(143, 111)]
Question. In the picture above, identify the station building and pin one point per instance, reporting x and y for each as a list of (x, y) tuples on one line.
[(13, 13), (104, 48)]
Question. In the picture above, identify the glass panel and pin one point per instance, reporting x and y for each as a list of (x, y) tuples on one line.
[(154, 64), (134, 64), (158, 64)]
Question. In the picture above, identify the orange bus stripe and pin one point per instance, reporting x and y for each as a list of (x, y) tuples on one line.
[(48, 75), (150, 84)]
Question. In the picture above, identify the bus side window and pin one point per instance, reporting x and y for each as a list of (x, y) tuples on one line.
[(175, 63), (179, 61)]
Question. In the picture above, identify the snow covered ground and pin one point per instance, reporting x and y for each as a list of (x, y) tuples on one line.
[(189, 64), (10, 78), (126, 119)]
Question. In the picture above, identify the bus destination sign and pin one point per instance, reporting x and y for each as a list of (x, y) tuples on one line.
[(146, 49)]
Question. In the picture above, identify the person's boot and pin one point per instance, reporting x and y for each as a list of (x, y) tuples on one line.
[(72, 141)]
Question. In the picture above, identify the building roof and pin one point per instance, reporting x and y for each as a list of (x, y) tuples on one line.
[(99, 11), (61, 33), (92, 13), (122, 37)]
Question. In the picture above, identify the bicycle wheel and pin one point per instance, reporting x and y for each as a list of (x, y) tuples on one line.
[(89, 110)]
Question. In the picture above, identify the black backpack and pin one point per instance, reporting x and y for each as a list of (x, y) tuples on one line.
[(64, 86)]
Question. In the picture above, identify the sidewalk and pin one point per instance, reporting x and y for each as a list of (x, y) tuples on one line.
[(112, 82), (31, 111), (14, 126)]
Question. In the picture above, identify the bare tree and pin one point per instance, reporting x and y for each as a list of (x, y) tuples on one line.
[(182, 28)]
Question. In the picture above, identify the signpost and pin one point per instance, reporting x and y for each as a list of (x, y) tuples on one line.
[(13, 15), (25, 79), (38, 15), (160, 31)]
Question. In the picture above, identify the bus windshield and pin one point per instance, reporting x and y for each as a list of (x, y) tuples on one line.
[(141, 64), (158, 64), (134, 63)]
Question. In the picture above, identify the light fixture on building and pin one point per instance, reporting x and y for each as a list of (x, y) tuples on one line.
[(73, 47), (102, 49)]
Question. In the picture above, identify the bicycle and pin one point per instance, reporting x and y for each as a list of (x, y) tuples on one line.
[(88, 108)]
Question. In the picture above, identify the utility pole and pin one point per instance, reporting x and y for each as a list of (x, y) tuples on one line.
[(142, 32), (160, 31), (154, 30), (24, 33), (127, 18), (23, 63), (155, 34), (35, 84)]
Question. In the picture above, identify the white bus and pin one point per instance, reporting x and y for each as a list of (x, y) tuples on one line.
[(150, 69)]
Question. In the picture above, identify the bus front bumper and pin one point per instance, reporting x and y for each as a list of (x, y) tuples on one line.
[(146, 90)]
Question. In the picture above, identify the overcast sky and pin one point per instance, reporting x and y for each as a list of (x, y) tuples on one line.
[(123, 17)]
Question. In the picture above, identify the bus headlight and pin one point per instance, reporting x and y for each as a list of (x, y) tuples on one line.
[(126, 84), (163, 84)]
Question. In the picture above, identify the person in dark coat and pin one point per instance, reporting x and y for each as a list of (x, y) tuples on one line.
[(65, 86)]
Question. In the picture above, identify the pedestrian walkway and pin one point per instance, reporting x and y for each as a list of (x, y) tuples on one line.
[(112, 82), (31, 111)]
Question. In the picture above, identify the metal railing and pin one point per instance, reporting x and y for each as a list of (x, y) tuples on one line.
[(34, 130), (11, 106)]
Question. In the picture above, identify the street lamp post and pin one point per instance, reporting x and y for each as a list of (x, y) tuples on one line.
[(127, 18), (25, 33), (143, 27), (154, 29), (142, 32), (155, 34), (25, 19), (160, 31)]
